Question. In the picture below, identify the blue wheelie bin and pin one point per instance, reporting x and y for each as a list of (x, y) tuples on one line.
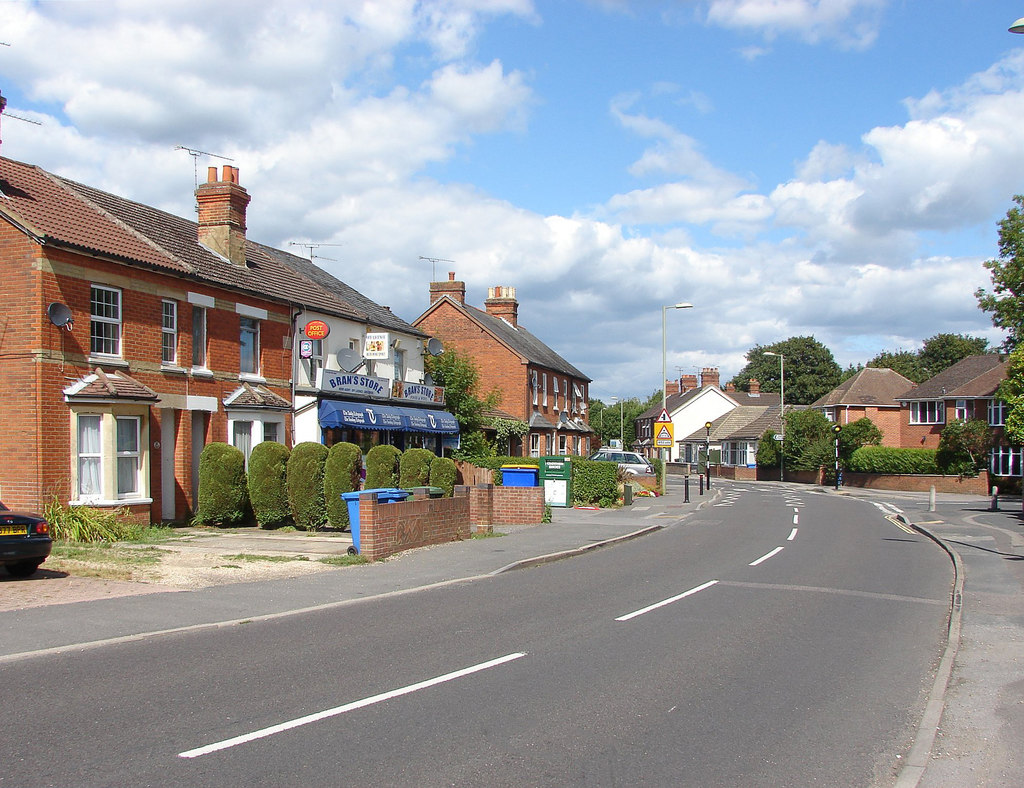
[(384, 495)]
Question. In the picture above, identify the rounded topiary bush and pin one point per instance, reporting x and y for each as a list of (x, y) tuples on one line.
[(268, 483), (444, 474), (306, 485), (223, 494), (414, 468), (342, 473), (382, 467)]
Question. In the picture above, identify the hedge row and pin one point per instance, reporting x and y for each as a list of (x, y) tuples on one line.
[(303, 486), (593, 482), (889, 460)]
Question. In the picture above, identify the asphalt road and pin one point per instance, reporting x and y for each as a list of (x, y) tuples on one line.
[(779, 637)]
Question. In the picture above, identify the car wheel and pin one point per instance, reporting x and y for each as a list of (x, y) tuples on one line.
[(22, 568)]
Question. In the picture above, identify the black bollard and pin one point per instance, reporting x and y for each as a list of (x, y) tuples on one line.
[(686, 489), (701, 477)]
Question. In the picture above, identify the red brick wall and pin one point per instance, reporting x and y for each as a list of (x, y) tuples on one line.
[(38, 360), (908, 483)]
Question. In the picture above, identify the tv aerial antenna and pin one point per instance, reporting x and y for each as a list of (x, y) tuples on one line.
[(195, 154), (433, 265), (311, 246)]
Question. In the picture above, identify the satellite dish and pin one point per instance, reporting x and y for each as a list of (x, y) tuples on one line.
[(434, 346), (59, 314), (349, 360), (428, 380)]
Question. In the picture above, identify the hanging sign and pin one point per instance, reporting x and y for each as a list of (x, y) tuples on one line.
[(376, 346), (317, 329)]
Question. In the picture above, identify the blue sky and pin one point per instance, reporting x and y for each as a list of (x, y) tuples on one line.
[(791, 167)]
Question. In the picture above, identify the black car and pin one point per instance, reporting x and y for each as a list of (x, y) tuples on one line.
[(24, 541)]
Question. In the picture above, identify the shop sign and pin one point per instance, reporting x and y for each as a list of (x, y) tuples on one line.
[(418, 392), (317, 329), (377, 346), (356, 385)]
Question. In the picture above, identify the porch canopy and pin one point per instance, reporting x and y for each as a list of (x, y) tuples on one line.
[(370, 416)]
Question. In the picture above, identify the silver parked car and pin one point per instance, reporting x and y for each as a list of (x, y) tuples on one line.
[(629, 462)]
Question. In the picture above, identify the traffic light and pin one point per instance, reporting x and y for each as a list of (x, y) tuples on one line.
[(837, 429)]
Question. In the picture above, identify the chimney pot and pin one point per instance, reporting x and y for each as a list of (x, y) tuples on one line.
[(222, 207)]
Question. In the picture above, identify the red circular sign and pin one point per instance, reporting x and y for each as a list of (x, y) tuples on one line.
[(317, 329)]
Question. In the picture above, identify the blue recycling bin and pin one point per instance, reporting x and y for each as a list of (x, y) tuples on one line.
[(351, 499), (519, 475)]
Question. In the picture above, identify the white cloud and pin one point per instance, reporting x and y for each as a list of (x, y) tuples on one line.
[(851, 23)]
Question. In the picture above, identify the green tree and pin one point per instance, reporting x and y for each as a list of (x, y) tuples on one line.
[(461, 380), (944, 350), (810, 442), (768, 450), (862, 432), (811, 370), (1011, 391), (963, 446), (1006, 300)]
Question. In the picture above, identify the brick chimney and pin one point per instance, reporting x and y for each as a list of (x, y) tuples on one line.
[(454, 290), (222, 205), (709, 377), (687, 383), (671, 387), (755, 386), (730, 387), (501, 302)]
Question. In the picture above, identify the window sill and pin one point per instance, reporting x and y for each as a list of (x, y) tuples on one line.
[(201, 372), (248, 377), (108, 361), (173, 369), (100, 503)]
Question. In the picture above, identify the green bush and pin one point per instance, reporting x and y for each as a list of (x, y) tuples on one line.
[(594, 482), (886, 459), (268, 483), (223, 493), (306, 485), (86, 524), (382, 467), (444, 474), (495, 463), (414, 468), (342, 474), (659, 470)]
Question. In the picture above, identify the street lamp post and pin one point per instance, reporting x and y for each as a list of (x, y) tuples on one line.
[(664, 351), (782, 413), (619, 400), (707, 451)]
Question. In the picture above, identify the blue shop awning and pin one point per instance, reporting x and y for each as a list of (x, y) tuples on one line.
[(367, 416)]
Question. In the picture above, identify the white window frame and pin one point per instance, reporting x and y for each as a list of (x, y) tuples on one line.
[(96, 319), (168, 332), (255, 430), (316, 359), (535, 444), (997, 412), (963, 410), (249, 326), (544, 400), (934, 411), (133, 455), (1005, 460), (91, 457), (399, 370), (199, 338)]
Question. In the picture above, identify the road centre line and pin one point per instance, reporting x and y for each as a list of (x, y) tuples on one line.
[(766, 556), (359, 704), (796, 519), (792, 535), (664, 602)]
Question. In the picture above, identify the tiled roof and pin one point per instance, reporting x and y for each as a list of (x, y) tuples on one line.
[(974, 376), (871, 386), (115, 385), (524, 343), (61, 212), (675, 401), (249, 396)]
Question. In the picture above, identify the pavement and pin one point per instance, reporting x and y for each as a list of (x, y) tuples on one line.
[(974, 720)]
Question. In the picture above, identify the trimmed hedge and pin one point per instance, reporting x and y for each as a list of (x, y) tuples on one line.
[(268, 483), (414, 468), (223, 494), (306, 485), (382, 467), (342, 474), (886, 459), (444, 474), (594, 482)]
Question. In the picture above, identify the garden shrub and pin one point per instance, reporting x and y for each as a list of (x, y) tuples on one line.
[(887, 459), (306, 485), (382, 467), (594, 482), (268, 483), (414, 468), (495, 463), (342, 474), (444, 474), (223, 494)]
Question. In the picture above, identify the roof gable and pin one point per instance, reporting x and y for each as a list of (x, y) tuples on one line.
[(876, 386), (974, 376)]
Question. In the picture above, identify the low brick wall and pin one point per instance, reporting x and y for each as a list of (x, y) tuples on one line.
[(389, 528), (979, 485)]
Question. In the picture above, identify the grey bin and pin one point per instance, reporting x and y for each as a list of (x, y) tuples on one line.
[(351, 499)]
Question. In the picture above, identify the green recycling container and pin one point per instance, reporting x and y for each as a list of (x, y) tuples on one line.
[(556, 479)]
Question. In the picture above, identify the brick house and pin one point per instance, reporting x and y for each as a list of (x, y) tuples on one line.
[(967, 390), (133, 337), (872, 393), (536, 384), (735, 436)]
